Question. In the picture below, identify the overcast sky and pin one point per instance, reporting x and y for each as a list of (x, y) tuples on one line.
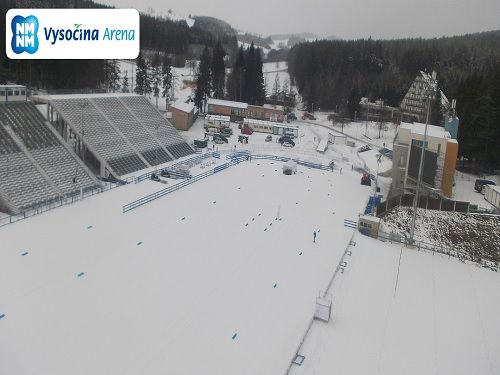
[(346, 19)]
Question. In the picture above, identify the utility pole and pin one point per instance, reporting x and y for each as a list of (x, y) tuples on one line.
[(420, 168)]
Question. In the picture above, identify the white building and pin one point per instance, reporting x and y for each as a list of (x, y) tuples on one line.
[(439, 160), (12, 93)]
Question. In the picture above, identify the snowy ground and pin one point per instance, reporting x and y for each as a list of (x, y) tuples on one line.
[(273, 69), (418, 314), (464, 189), (162, 292), (364, 131)]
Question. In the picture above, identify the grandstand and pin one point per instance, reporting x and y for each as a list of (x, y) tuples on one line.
[(37, 167), (123, 132)]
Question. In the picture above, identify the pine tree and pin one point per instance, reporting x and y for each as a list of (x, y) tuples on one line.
[(260, 87), (167, 79), (156, 76), (250, 74), (112, 75), (218, 70), (141, 75), (203, 87), (125, 82), (236, 77), (149, 79)]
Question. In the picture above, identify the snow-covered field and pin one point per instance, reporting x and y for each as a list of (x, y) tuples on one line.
[(407, 312), (221, 277), (166, 287)]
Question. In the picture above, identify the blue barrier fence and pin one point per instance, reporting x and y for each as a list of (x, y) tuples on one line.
[(151, 197), (372, 203), (171, 169)]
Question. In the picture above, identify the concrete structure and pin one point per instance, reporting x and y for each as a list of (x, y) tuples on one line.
[(492, 195), (183, 115), (12, 93), (238, 111), (369, 225), (439, 160)]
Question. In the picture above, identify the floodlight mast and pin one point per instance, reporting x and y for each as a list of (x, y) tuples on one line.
[(420, 168)]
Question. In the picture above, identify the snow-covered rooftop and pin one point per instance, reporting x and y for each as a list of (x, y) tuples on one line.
[(227, 103), (432, 130), (83, 96), (184, 107), (272, 106)]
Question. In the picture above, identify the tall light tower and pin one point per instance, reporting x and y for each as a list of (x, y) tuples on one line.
[(429, 91)]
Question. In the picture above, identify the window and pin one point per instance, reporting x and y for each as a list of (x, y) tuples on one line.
[(23, 92), (2, 92), (16, 93), (418, 143), (9, 92)]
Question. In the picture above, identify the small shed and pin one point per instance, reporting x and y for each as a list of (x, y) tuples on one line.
[(183, 115), (369, 225)]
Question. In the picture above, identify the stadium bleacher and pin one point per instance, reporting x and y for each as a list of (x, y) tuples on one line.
[(37, 167), (125, 131)]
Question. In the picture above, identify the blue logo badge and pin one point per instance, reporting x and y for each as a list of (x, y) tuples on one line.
[(24, 34)]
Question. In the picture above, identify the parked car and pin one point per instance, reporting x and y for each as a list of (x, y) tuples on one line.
[(154, 177), (291, 116), (284, 138), (308, 116), (269, 138), (164, 173), (246, 130), (220, 139), (288, 143), (226, 132), (480, 183)]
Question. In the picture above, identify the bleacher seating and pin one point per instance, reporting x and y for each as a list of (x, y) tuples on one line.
[(39, 168), (139, 136), (125, 131), (157, 125)]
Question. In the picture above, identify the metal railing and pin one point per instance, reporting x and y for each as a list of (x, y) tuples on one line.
[(59, 202), (192, 161), (151, 197), (234, 157)]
